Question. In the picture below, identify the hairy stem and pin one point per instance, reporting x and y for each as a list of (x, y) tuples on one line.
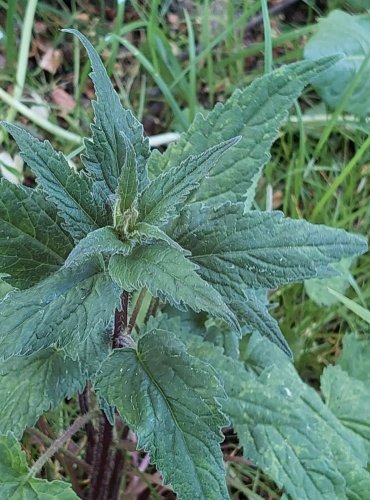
[(90, 431), (59, 442), (136, 310)]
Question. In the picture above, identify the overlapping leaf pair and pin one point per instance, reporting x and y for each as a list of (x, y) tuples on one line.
[(189, 236)]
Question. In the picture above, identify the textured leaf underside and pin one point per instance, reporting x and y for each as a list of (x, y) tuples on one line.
[(169, 399)]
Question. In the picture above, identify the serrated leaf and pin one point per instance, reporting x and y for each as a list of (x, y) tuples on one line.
[(31, 385), (349, 400), (101, 241), (14, 484), (32, 243), (255, 113), (127, 189), (168, 274), (343, 33), (105, 154), (281, 422), (259, 249), (167, 193), (62, 310), (71, 192), (170, 399)]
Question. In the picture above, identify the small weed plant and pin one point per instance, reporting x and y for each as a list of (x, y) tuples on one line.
[(137, 286)]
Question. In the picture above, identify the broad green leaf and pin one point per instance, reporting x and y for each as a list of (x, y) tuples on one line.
[(349, 35), (167, 193), (71, 192), (169, 275), (255, 113), (349, 400), (101, 241), (259, 249), (171, 400), (32, 242), (14, 484), (63, 310), (105, 154), (5, 288), (31, 385), (127, 181), (317, 289), (281, 422), (355, 356)]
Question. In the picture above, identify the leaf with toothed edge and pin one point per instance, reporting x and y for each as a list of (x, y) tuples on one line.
[(62, 310), (106, 152), (255, 113), (33, 244), (71, 192), (167, 194), (172, 401), (168, 274)]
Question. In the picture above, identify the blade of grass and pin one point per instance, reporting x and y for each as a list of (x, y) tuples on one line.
[(360, 311), (192, 98), (10, 43), (267, 36), (340, 179), (116, 30)]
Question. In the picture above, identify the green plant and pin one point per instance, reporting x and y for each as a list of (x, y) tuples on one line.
[(97, 257)]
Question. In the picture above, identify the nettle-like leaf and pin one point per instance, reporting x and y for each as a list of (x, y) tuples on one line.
[(106, 153), (280, 422), (255, 113), (168, 274), (62, 310), (71, 192), (168, 192), (14, 480), (33, 244), (171, 400), (259, 249), (47, 377)]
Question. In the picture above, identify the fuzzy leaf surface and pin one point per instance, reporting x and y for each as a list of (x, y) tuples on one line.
[(71, 192), (62, 310), (256, 114), (101, 241), (31, 385), (355, 356), (33, 244), (280, 422), (259, 249), (168, 192), (127, 189), (105, 154), (168, 274), (170, 399), (13, 473)]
